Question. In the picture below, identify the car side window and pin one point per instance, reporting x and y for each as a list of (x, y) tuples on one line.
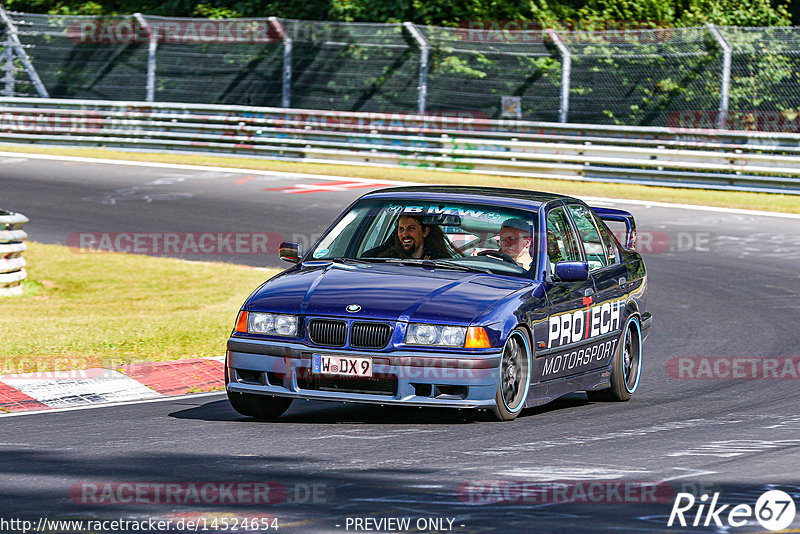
[(561, 242), (610, 242), (596, 253)]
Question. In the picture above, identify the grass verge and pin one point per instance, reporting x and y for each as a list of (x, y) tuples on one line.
[(753, 201), (83, 310)]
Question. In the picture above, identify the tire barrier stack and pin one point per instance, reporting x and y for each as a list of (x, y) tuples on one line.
[(12, 264)]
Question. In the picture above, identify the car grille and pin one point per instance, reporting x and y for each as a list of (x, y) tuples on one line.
[(363, 335), (327, 332), (370, 386), (370, 335)]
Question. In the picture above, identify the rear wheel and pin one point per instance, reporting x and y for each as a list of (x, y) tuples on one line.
[(515, 377), (626, 366)]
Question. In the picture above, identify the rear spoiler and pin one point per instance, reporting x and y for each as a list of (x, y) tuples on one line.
[(615, 215)]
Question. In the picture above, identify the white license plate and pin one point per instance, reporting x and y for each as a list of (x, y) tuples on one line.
[(329, 364)]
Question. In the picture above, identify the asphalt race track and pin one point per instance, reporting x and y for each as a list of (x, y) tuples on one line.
[(722, 285)]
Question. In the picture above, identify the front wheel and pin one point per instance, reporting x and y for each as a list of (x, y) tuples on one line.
[(626, 366), (259, 406), (515, 377)]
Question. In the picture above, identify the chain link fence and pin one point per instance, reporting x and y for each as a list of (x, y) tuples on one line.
[(643, 77), (352, 66), (472, 69), (707, 77), (765, 78), (238, 62)]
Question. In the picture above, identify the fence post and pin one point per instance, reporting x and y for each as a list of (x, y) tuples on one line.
[(16, 44), (286, 83), (8, 68), (722, 120), (566, 74), (424, 50), (152, 39)]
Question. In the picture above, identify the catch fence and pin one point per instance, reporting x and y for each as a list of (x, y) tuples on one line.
[(698, 77)]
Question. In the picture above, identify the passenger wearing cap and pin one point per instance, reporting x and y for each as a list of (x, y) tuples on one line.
[(515, 240)]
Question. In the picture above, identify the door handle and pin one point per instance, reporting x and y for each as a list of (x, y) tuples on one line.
[(588, 292), (622, 281)]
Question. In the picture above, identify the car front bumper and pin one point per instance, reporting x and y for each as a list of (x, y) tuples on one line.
[(401, 377)]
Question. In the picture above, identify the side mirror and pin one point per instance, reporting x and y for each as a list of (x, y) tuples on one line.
[(289, 252), (572, 271)]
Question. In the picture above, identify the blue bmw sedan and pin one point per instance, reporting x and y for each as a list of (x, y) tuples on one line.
[(463, 297)]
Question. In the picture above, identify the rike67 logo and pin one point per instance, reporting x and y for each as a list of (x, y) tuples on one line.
[(774, 510)]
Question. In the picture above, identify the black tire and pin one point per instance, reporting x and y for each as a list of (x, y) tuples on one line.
[(259, 406), (626, 366), (515, 377)]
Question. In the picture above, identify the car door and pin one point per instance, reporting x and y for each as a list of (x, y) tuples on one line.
[(607, 306), (558, 351)]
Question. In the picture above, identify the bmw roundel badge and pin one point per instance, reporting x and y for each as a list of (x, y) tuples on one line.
[(353, 308)]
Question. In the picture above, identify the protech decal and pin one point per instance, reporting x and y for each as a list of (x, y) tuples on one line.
[(593, 321)]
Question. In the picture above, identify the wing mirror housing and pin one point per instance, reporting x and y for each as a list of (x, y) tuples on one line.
[(289, 252), (572, 271)]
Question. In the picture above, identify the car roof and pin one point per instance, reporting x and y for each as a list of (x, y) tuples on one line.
[(495, 195)]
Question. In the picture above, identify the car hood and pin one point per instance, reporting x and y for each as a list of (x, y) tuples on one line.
[(386, 292)]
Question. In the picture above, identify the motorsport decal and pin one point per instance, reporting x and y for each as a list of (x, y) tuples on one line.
[(593, 321), (583, 359)]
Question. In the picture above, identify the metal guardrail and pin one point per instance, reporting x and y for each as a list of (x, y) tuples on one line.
[(712, 159), (12, 264)]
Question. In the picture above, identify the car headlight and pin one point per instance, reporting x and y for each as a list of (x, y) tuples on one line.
[(272, 323), (430, 334)]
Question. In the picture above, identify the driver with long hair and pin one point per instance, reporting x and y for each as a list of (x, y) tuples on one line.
[(414, 239)]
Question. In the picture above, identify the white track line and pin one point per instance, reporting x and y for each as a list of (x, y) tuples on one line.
[(645, 203), (182, 166)]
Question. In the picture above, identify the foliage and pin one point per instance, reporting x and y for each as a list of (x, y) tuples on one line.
[(591, 13), (736, 13)]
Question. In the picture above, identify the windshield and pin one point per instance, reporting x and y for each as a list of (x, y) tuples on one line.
[(448, 235)]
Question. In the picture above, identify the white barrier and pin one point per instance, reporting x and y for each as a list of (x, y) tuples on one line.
[(12, 264), (712, 159)]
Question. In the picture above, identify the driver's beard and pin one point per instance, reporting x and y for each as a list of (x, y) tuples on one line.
[(407, 252)]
